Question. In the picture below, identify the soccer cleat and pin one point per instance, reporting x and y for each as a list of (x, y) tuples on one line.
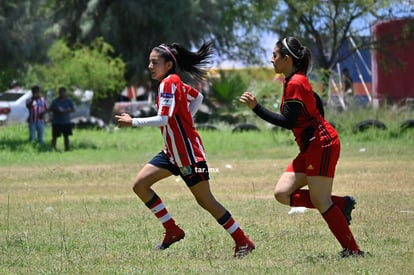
[(171, 236), (346, 253), (243, 248), (349, 206)]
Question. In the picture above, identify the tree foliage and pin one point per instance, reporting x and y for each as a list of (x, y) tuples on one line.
[(85, 67), (22, 37), (132, 28), (328, 24), (135, 27)]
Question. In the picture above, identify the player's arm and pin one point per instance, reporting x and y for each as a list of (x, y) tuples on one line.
[(193, 106), (287, 119), (125, 120), (194, 98), (165, 110), (157, 120)]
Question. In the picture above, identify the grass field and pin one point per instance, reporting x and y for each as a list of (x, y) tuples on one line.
[(75, 213)]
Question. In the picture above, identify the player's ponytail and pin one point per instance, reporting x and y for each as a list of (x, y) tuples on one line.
[(301, 55), (194, 63)]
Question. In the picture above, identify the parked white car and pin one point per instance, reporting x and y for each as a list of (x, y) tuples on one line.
[(13, 106)]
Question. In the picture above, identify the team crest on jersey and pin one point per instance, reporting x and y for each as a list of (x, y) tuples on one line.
[(186, 170)]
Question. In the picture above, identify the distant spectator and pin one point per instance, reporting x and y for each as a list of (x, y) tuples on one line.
[(61, 124), (348, 88), (37, 108), (348, 82)]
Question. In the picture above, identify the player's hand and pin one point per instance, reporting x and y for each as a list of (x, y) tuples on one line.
[(249, 99), (123, 120)]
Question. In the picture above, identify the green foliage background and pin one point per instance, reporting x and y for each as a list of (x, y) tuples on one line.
[(83, 67)]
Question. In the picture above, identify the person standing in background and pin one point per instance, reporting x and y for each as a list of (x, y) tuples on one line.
[(348, 87), (348, 82), (61, 124), (37, 108)]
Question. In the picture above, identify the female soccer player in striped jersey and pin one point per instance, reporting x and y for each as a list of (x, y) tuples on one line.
[(318, 142), (183, 152)]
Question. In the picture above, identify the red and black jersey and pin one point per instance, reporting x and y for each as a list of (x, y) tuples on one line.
[(298, 89), (183, 145)]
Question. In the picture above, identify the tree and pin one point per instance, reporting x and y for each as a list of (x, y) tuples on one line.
[(27, 28), (84, 67), (328, 24), (23, 37), (133, 28)]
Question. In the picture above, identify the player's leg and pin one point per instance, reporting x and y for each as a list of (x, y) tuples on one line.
[(145, 178), (149, 175), (310, 164), (206, 200), (287, 191), (288, 183), (320, 189)]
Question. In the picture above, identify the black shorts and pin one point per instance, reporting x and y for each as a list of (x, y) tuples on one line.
[(58, 129), (191, 174)]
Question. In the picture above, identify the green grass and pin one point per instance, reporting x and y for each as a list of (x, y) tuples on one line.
[(75, 213)]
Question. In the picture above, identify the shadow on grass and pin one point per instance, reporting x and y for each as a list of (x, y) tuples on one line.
[(22, 144)]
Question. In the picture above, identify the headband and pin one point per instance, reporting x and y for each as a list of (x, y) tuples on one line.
[(169, 51), (287, 47)]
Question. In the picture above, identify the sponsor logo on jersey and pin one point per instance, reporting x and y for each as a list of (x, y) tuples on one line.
[(166, 95)]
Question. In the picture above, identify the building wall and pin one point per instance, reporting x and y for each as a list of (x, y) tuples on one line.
[(393, 63)]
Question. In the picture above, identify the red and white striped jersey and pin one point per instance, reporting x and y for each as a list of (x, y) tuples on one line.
[(183, 145), (191, 92), (37, 108)]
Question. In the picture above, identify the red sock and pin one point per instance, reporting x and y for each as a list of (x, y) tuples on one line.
[(231, 226), (158, 209), (301, 197), (339, 227)]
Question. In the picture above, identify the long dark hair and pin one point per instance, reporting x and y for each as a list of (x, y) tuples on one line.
[(194, 63), (301, 55)]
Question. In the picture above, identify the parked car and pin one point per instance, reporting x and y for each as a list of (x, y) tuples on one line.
[(82, 118), (13, 106), (143, 106)]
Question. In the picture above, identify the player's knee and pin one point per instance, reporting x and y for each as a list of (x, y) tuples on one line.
[(138, 186), (135, 187), (281, 196), (320, 203)]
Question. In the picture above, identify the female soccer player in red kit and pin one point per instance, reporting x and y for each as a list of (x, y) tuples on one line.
[(318, 142), (183, 152)]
